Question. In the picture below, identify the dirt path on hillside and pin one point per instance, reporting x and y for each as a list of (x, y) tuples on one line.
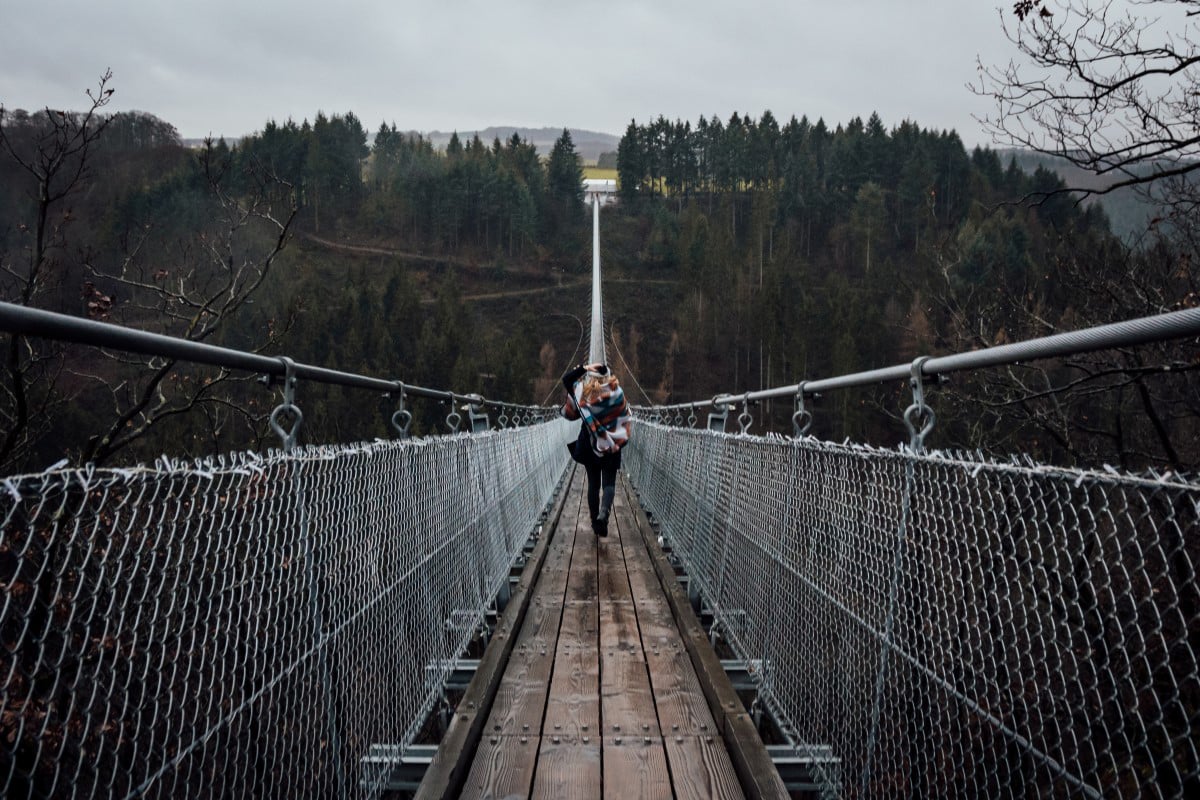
[(371, 250), (574, 284), (362, 249)]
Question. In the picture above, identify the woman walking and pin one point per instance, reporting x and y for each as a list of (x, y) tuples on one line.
[(594, 396)]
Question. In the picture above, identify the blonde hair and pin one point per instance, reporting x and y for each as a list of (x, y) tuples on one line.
[(592, 386)]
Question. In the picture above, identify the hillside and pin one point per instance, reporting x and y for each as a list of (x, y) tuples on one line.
[(589, 144), (1128, 212), (725, 271)]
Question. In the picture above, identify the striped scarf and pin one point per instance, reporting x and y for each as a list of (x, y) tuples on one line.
[(608, 412)]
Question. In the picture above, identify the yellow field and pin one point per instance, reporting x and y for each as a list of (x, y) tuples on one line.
[(599, 174)]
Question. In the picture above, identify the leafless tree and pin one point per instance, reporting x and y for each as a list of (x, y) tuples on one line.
[(1134, 407), (212, 278), (193, 284), (1112, 87), (53, 148)]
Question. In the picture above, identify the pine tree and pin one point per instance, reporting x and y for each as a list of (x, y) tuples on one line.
[(631, 164), (564, 192)]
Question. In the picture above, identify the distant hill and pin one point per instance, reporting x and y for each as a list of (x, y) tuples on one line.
[(589, 144), (1128, 212)]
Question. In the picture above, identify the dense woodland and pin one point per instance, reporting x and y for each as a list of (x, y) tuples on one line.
[(742, 254)]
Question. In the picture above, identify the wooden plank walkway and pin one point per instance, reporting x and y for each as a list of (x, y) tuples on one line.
[(599, 697)]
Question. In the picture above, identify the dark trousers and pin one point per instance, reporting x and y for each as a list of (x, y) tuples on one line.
[(602, 476)]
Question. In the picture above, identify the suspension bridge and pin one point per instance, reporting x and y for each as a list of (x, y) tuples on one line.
[(432, 617)]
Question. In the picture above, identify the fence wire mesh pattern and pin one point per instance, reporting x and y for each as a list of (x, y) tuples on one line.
[(250, 627), (950, 627)]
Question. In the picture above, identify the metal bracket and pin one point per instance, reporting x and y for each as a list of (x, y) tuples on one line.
[(288, 407), (746, 675), (395, 768), (477, 415), (717, 417), (918, 417), (801, 420), (812, 769)]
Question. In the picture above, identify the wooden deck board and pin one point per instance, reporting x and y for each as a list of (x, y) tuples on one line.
[(573, 707), (582, 580), (582, 584), (567, 768), (600, 697), (619, 629), (635, 767), (700, 768), (540, 628), (627, 705), (644, 584), (553, 578), (503, 767), (682, 707), (521, 699), (613, 578)]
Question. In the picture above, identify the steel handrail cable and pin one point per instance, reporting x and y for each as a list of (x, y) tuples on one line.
[(27, 321), (1144, 330)]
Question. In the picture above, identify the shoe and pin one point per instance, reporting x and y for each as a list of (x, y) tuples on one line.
[(601, 526)]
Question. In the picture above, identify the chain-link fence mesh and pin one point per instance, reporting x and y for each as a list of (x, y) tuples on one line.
[(950, 626), (251, 626)]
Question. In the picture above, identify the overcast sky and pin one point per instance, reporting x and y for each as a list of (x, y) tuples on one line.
[(227, 66)]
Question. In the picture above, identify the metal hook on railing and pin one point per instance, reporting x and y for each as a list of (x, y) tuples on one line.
[(801, 420), (453, 419), (918, 412), (288, 407), (691, 420), (744, 419), (402, 419), (502, 418)]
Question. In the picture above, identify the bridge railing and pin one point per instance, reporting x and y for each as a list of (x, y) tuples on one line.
[(919, 417), (275, 625), (951, 626), (287, 419), (250, 626)]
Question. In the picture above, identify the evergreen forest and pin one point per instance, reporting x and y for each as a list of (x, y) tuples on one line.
[(743, 253)]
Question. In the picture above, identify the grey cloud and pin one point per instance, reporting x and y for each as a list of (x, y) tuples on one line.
[(226, 67)]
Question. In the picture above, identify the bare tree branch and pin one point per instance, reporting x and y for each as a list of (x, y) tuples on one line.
[(54, 150), (1095, 90), (224, 273)]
